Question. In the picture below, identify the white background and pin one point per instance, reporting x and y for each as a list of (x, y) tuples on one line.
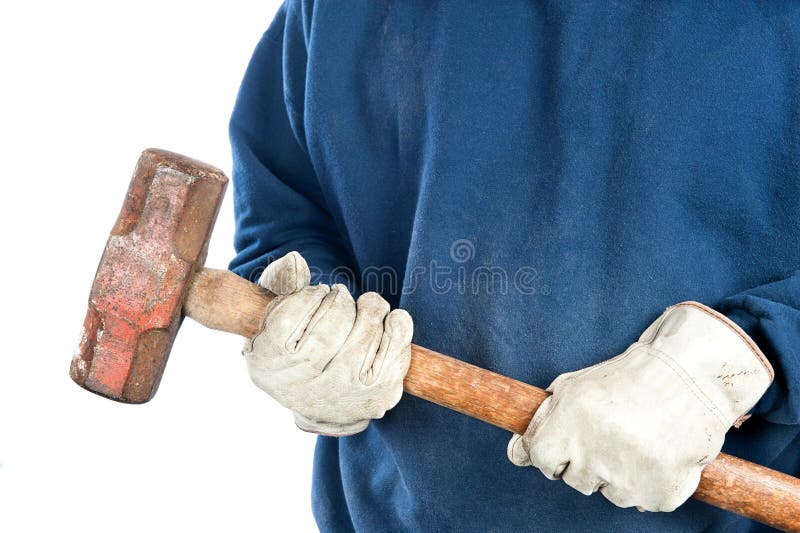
[(84, 87)]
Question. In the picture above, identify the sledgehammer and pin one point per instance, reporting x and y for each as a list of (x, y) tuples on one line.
[(151, 275)]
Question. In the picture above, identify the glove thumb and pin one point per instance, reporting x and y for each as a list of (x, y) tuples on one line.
[(286, 275), (517, 452)]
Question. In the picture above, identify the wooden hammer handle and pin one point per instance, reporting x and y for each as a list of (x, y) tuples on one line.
[(222, 300)]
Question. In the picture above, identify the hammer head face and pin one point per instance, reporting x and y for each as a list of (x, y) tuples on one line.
[(158, 242)]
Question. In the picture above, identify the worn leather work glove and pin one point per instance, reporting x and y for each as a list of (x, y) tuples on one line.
[(640, 427), (334, 362)]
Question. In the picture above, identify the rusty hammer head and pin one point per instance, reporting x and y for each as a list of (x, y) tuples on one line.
[(159, 240)]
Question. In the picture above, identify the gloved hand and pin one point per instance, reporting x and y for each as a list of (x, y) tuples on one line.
[(640, 427), (334, 362)]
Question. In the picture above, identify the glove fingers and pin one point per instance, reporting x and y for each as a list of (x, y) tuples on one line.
[(392, 361), (364, 339), (681, 492), (646, 498), (580, 479), (619, 497), (271, 355), (329, 429), (287, 320), (394, 355), (328, 328), (286, 275)]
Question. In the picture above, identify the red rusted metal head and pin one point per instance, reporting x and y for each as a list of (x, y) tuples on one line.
[(159, 240)]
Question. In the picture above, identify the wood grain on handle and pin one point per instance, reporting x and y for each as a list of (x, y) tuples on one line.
[(221, 300), (730, 483)]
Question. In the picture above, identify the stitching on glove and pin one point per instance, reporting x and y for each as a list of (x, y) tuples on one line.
[(737, 330), (602, 364), (695, 389)]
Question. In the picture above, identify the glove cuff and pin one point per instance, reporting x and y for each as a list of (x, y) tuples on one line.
[(716, 358)]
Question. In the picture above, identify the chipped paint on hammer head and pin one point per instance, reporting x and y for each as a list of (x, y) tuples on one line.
[(158, 242)]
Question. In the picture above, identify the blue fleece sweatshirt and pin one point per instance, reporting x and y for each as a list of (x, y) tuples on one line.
[(534, 182)]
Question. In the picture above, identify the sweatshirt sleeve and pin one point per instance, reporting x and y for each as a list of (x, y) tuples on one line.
[(770, 314), (278, 203)]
